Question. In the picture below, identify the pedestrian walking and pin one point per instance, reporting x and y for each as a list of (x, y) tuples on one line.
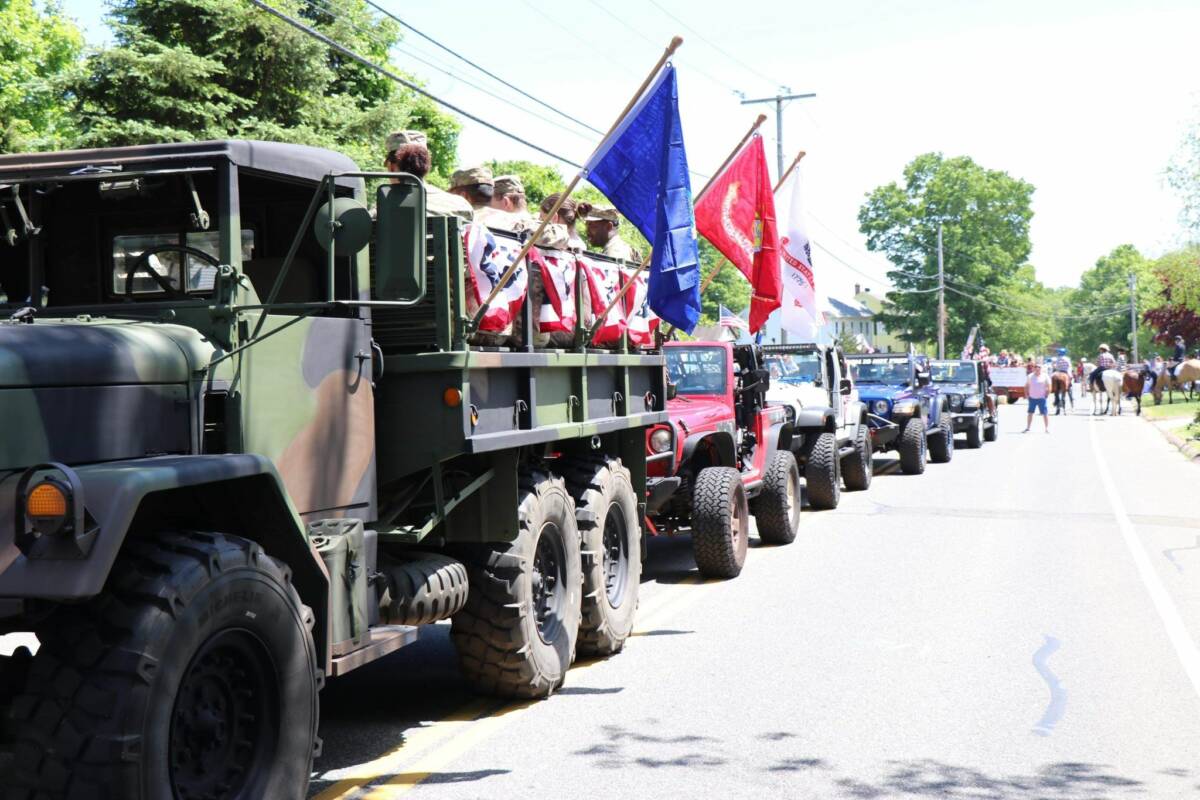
[(1036, 386)]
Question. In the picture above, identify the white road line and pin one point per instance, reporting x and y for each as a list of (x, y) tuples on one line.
[(1185, 648)]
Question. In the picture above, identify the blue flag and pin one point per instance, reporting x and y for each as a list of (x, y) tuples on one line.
[(642, 168)]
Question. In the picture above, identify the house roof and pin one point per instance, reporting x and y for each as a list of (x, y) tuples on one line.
[(852, 308)]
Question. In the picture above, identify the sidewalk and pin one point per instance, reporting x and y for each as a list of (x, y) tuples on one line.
[(1174, 429)]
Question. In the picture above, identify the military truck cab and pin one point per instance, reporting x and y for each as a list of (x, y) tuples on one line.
[(250, 442)]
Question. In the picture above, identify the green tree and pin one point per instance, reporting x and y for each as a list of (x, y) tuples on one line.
[(1099, 308), (39, 58), (728, 288), (181, 70), (985, 216)]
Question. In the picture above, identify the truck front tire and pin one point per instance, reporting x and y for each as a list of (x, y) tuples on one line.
[(777, 507), (941, 443), (516, 635), (975, 432), (606, 511), (821, 477), (858, 467), (720, 522), (992, 431), (193, 674), (912, 447)]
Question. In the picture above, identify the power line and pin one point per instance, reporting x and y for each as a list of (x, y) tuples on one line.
[(1030, 312), (713, 45), (484, 70), (300, 26)]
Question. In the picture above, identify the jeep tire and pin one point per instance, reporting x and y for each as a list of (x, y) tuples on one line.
[(606, 512), (912, 447), (941, 443), (193, 674), (516, 635), (423, 589), (975, 432), (990, 432), (720, 522), (859, 466), (821, 476), (777, 507)]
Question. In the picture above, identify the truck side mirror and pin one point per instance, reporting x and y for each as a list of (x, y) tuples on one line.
[(846, 386), (672, 390), (400, 240), (922, 378)]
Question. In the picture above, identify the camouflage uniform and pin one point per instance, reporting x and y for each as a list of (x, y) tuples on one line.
[(554, 236), (616, 247), (438, 202)]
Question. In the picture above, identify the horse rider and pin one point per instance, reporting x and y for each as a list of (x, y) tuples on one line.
[(1122, 362), (1103, 361), (1062, 363), (1179, 356)]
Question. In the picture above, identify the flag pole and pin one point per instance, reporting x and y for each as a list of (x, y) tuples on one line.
[(676, 41), (721, 264), (646, 261)]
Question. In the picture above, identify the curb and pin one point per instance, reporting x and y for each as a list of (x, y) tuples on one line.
[(1190, 450)]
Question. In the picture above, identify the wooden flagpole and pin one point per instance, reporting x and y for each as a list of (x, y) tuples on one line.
[(562, 198), (646, 261), (721, 264)]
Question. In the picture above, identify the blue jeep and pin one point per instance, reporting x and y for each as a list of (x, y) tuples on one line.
[(907, 413)]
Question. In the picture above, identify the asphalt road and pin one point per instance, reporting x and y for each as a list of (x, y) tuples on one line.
[(1022, 622)]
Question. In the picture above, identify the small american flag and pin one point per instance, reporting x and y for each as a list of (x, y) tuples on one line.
[(731, 320)]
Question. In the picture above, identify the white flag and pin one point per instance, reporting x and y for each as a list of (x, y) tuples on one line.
[(801, 309)]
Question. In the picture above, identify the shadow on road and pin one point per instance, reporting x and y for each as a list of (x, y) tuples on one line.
[(1068, 780)]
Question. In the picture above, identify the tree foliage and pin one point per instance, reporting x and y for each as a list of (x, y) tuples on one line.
[(39, 59), (1179, 274), (1099, 308), (985, 216), (182, 70), (729, 288)]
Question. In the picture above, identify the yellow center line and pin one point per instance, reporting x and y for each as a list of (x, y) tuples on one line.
[(468, 725)]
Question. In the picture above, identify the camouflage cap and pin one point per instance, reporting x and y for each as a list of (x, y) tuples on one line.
[(472, 176), (400, 138), (509, 184), (603, 213)]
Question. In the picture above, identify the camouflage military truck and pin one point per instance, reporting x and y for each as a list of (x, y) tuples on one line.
[(248, 447)]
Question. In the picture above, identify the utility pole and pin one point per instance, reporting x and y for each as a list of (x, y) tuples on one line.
[(941, 298), (1133, 316), (778, 101)]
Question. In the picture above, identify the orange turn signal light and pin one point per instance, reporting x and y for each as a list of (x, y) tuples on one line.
[(452, 398), (46, 500)]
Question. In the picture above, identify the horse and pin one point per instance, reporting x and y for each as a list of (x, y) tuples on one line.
[(1186, 374), (1132, 382), (1112, 381), (1060, 384)]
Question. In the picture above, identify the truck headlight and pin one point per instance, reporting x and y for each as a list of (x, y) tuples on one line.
[(660, 440), (905, 407), (971, 402), (956, 402), (879, 407)]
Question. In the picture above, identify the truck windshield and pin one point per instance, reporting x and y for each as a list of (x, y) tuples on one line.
[(879, 371), (953, 372), (794, 368), (697, 370)]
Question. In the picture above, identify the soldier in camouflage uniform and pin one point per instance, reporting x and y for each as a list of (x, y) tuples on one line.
[(509, 211), (602, 224), (408, 151)]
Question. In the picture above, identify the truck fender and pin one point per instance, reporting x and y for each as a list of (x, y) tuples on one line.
[(721, 441), (816, 417), (779, 437), (236, 494)]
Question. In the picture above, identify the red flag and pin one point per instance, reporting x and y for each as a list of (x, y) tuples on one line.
[(737, 214)]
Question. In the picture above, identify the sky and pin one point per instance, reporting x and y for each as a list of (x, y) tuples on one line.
[(1087, 100)]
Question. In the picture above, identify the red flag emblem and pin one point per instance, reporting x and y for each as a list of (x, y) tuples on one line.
[(737, 214)]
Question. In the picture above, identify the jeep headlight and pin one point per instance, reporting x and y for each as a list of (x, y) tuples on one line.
[(956, 402), (660, 440), (879, 407), (971, 402), (905, 407)]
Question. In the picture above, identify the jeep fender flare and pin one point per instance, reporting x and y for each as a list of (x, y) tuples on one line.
[(236, 494), (720, 441), (820, 417)]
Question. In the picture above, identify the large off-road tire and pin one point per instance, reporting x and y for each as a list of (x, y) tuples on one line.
[(912, 447), (516, 635), (777, 507), (423, 588), (990, 432), (720, 522), (193, 675), (859, 466), (941, 443), (821, 477), (975, 433), (606, 511)]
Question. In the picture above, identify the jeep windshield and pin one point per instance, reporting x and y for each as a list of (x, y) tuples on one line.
[(797, 368), (880, 370), (953, 372), (697, 370)]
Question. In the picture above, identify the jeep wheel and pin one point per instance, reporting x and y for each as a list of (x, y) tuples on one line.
[(941, 443), (777, 507), (975, 433), (192, 675), (992, 431), (606, 511), (516, 635), (720, 522), (423, 589), (912, 447), (859, 466), (821, 477)]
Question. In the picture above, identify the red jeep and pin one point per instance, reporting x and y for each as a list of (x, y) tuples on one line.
[(724, 455)]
